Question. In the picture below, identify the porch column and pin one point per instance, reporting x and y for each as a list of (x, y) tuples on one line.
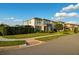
[(42, 28)]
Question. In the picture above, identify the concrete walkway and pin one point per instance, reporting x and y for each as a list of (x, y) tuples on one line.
[(63, 45)]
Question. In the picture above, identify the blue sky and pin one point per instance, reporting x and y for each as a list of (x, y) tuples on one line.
[(16, 13)]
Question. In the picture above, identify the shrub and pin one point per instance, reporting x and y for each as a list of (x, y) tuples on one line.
[(12, 30), (51, 31), (41, 31), (75, 30), (59, 26), (66, 31), (55, 30)]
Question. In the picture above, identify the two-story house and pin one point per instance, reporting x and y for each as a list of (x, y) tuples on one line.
[(40, 24)]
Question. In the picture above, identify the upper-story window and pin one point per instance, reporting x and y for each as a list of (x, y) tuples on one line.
[(27, 22), (30, 22), (46, 22), (38, 22)]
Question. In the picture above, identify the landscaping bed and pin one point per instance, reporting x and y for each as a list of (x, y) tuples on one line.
[(11, 43)]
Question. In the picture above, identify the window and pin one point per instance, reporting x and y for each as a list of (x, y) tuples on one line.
[(38, 27), (30, 22), (38, 22)]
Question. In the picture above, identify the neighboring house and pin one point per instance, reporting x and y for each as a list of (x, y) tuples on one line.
[(40, 24), (70, 26)]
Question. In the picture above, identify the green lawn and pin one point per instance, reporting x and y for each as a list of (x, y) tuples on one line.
[(48, 38), (56, 36), (11, 43), (19, 36)]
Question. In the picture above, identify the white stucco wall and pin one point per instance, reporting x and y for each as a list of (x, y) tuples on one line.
[(34, 22)]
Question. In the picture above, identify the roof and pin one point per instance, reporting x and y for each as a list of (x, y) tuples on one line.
[(72, 24), (41, 18)]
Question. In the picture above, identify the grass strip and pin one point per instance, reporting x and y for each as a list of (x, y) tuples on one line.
[(20, 36), (48, 38), (11, 43)]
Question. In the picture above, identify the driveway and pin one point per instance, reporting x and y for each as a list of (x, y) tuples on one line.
[(65, 45)]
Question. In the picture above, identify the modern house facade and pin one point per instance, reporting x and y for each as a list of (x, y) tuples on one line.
[(40, 24)]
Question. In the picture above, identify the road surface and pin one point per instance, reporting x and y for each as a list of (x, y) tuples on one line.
[(65, 45)]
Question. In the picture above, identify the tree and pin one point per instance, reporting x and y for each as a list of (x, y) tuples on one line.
[(59, 26), (3, 29), (75, 30)]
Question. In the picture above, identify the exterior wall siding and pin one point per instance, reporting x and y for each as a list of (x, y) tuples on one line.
[(41, 24)]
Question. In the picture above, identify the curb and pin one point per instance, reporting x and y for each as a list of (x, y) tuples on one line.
[(40, 42)]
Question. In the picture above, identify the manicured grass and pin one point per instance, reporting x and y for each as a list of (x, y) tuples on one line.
[(48, 38), (19, 36), (56, 36), (11, 43), (68, 33)]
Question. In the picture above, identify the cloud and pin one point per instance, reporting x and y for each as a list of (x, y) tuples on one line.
[(73, 22), (12, 19), (73, 14), (9, 18), (58, 18), (60, 14), (71, 7), (63, 14), (18, 20)]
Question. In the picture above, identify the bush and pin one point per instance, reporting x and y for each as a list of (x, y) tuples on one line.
[(12, 30), (52, 31), (66, 31), (59, 26), (41, 31), (75, 30), (55, 30)]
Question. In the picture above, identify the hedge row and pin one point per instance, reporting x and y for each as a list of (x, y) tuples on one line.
[(16, 30)]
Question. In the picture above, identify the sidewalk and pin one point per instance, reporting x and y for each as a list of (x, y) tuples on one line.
[(46, 36)]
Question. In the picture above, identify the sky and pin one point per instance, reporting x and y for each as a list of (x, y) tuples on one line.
[(17, 13)]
